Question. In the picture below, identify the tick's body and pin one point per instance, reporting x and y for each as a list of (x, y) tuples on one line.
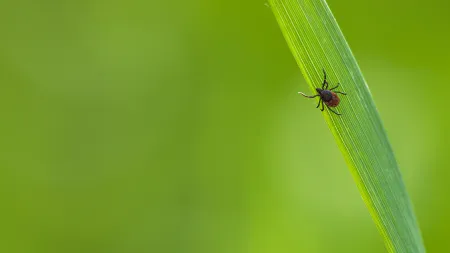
[(328, 97)]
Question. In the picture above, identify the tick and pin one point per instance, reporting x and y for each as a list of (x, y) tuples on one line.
[(327, 96)]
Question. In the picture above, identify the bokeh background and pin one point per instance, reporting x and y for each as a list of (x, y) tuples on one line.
[(175, 127)]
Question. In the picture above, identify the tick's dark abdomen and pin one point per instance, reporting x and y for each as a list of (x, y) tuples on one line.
[(334, 101), (330, 98)]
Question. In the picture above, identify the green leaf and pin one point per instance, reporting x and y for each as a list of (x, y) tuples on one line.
[(317, 43)]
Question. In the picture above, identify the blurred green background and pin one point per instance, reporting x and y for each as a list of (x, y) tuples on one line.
[(176, 127)]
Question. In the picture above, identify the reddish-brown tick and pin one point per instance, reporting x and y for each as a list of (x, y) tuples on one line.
[(326, 95)]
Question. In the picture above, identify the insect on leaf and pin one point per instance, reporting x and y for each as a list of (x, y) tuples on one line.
[(317, 43)]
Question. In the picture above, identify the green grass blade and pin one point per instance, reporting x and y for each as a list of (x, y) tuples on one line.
[(317, 43)]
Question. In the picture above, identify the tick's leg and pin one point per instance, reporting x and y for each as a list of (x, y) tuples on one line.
[(340, 92), (333, 111), (320, 100), (322, 107), (335, 86), (325, 83), (303, 94)]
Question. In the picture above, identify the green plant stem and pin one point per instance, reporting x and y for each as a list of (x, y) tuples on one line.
[(317, 43)]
